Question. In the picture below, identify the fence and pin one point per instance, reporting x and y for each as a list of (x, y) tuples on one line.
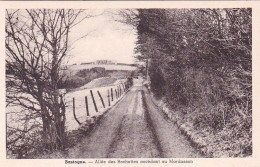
[(90, 102)]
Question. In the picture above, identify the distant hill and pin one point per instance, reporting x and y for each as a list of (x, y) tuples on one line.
[(79, 75), (73, 69)]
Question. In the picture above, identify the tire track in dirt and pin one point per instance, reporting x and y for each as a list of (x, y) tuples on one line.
[(173, 144), (130, 109), (151, 126), (97, 144), (135, 140)]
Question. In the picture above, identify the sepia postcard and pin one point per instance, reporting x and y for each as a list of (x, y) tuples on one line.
[(138, 83)]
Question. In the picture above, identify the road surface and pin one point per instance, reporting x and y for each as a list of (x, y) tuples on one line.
[(134, 128)]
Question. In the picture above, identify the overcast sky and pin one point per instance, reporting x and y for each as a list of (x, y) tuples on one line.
[(107, 39)]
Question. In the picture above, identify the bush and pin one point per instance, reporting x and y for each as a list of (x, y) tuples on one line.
[(203, 68), (158, 83), (212, 120), (82, 77)]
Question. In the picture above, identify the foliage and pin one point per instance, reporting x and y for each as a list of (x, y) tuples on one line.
[(84, 76), (200, 61)]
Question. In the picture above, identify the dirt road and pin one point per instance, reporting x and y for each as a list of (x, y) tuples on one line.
[(134, 128)]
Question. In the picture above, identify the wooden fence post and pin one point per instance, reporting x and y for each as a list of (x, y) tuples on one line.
[(95, 105), (124, 87), (112, 98), (101, 99), (116, 94), (108, 97), (74, 113), (86, 102)]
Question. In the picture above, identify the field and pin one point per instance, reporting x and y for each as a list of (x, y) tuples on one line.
[(99, 82), (24, 128), (79, 75), (80, 106), (24, 125)]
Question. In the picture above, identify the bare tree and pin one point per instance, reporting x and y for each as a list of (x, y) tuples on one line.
[(37, 43)]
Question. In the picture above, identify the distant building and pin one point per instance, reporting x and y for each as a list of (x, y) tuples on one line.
[(104, 62)]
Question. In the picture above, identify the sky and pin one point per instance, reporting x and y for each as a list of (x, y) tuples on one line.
[(106, 39)]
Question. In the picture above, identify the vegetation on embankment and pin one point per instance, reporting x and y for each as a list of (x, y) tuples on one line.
[(199, 63), (84, 76)]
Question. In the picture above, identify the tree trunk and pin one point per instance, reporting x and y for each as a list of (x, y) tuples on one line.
[(58, 109)]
